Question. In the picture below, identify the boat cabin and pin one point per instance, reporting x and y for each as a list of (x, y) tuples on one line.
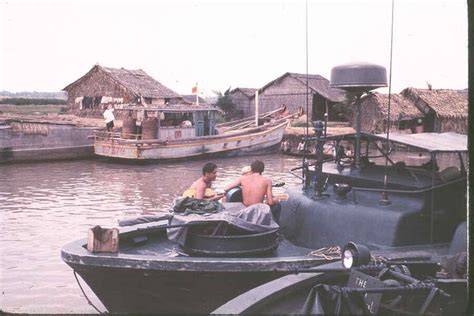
[(168, 123), (409, 191)]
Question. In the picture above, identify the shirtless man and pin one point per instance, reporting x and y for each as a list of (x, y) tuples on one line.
[(209, 174), (256, 188)]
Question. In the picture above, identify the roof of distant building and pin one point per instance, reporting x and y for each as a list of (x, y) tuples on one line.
[(138, 82)]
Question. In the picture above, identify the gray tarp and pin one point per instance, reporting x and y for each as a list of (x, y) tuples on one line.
[(255, 218)]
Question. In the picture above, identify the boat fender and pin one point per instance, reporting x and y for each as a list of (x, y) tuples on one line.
[(234, 195)]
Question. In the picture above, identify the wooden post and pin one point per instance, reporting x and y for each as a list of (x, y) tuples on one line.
[(256, 108)]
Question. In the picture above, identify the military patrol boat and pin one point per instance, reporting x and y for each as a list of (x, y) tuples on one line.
[(401, 197)]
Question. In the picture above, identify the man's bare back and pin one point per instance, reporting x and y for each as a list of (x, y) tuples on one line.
[(255, 188)]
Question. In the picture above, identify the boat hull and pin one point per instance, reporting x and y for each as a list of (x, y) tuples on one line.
[(156, 277), (220, 145), (32, 141), (150, 291), (290, 295)]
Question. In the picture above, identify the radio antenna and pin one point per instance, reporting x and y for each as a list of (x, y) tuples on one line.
[(305, 147), (385, 199)]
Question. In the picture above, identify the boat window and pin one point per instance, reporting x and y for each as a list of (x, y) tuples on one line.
[(446, 160)]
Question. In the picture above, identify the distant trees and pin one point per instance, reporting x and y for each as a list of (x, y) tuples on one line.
[(34, 94), (32, 101)]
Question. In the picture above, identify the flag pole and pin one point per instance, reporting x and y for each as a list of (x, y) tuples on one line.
[(197, 95), (256, 108)]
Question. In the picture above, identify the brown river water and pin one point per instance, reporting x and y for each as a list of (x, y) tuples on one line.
[(46, 205)]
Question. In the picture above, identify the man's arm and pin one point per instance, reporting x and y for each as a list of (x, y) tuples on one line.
[(233, 184), (200, 190), (270, 199), (216, 197)]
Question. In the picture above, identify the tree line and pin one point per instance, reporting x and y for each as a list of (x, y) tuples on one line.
[(32, 101)]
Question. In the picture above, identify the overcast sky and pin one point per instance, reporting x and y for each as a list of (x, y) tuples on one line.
[(220, 44)]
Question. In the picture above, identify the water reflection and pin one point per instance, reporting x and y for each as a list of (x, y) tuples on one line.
[(45, 205)]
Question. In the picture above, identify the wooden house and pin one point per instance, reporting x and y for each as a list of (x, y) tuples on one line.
[(103, 85), (444, 110), (244, 101), (404, 115), (291, 90)]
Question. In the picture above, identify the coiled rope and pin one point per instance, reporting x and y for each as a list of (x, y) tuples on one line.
[(327, 253)]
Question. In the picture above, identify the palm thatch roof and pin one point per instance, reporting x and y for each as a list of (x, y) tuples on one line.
[(248, 92), (400, 107), (445, 102), (316, 83), (137, 82)]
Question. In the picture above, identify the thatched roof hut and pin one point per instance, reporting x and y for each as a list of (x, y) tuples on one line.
[(291, 90), (374, 113), (104, 85), (242, 99), (445, 110)]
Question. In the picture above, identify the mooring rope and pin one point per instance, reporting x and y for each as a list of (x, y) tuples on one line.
[(85, 295), (327, 253), (335, 252)]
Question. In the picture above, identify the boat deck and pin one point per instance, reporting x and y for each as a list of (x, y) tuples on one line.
[(146, 246), (159, 246)]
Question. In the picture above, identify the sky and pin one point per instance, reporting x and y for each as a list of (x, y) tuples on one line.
[(46, 45)]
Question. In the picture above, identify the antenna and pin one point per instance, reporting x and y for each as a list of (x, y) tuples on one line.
[(385, 200), (305, 163)]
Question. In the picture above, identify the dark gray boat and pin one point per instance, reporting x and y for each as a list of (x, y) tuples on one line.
[(404, 196), (402, 281), (151, 274)]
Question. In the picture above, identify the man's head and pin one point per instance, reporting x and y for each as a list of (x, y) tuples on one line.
[(257, 166), (209, 171)]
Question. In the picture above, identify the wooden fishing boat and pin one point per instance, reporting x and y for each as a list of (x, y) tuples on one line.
[(178, 132)]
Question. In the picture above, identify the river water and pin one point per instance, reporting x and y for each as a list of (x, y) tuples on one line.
[(46, 205)]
